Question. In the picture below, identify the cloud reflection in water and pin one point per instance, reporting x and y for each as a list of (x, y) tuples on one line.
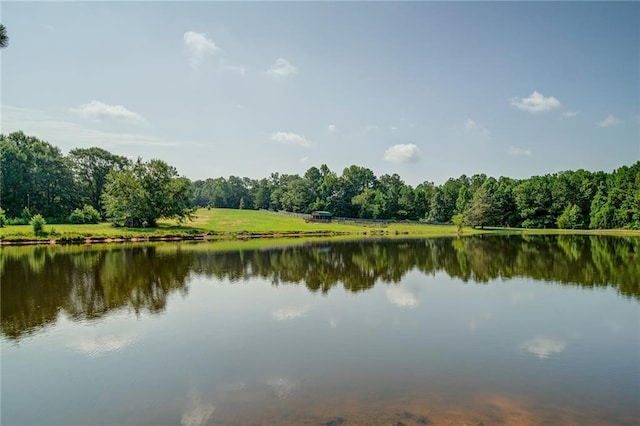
[(543, 347)]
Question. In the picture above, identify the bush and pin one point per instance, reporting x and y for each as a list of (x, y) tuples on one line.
[(3, 218), (76, 216), (25, 215), (38, 223), (88, 214), (17, 221)]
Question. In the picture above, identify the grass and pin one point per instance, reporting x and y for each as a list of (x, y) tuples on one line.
[(234, 224)]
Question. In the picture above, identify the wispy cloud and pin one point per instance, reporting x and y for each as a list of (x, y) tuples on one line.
[(282, 68), (98, 346), (198, 410), (516, 151), (473, 127), (331, 128), (60, 130), (290, 313), (543, 347), (569, 114), (402, 153), (99, 111), (401, 297), (290, 138), (304, 159), (609, 121), (536, 102), (198, 47)]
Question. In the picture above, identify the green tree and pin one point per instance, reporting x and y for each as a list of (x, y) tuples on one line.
[(570, 217), (146, 192), (534, 201), (35, 174), (90, 168), (38, 223), (481, 210)]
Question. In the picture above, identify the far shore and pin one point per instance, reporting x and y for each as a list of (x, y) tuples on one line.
[(229, 224)]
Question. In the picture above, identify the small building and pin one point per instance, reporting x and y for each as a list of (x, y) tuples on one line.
[(321, 216)]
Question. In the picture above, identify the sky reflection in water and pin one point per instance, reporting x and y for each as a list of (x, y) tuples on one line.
[(446, 330)]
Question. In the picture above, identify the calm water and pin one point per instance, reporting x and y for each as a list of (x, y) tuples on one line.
[(493, 330)]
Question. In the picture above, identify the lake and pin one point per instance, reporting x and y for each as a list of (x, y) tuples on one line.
[(473, 330)]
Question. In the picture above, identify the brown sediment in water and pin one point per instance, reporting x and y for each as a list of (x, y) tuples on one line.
[(432, 408)]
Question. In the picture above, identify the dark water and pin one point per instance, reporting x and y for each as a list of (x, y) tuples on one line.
[(493, 330)]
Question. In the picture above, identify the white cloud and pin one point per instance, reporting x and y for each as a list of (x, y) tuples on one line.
[(536, 102), (472, 127), (402, 153), (198, 411), (290, 313), (198, 46), (96, 110), (58, 130), (332, 128), (516, 151), (282, 68), (569, 114), (609, 121), (304, 159), (290, 138), (97, 346), (542, 347), (401, 297)]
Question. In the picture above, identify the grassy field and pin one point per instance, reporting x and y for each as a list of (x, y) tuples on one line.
[(233, 224), (224, 224)]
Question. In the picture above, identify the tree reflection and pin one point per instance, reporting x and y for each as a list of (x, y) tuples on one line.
[(38, 284)]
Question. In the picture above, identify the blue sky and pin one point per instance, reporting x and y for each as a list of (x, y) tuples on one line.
[(428, 90)]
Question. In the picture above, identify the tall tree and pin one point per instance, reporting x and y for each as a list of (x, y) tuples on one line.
[(90, 168), (146, 192), (34, 174)]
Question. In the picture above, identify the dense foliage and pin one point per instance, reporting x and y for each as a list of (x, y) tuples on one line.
[(146, 192), (569, 199), (37, 178)]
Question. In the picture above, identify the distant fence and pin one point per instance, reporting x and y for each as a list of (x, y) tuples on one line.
[(356, 220)]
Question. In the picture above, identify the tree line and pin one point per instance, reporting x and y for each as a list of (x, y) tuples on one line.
[(91, 184), (86, 186), (569, 199)]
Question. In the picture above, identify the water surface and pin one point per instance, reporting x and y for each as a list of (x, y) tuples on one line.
[(492, 330)]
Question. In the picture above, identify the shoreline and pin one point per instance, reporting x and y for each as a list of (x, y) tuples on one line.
[(243, 236), (91, 240)]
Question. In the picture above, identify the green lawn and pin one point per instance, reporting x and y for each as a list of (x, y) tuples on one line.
[(225, 223), (230, 223)]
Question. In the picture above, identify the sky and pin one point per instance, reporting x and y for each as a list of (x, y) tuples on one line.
[(427, 90)]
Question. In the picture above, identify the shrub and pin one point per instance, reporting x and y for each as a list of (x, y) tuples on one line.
[(3, 218), (91, 215), (38, 223), (17, 221), (76, 216), (25, 215), (88, 214)]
